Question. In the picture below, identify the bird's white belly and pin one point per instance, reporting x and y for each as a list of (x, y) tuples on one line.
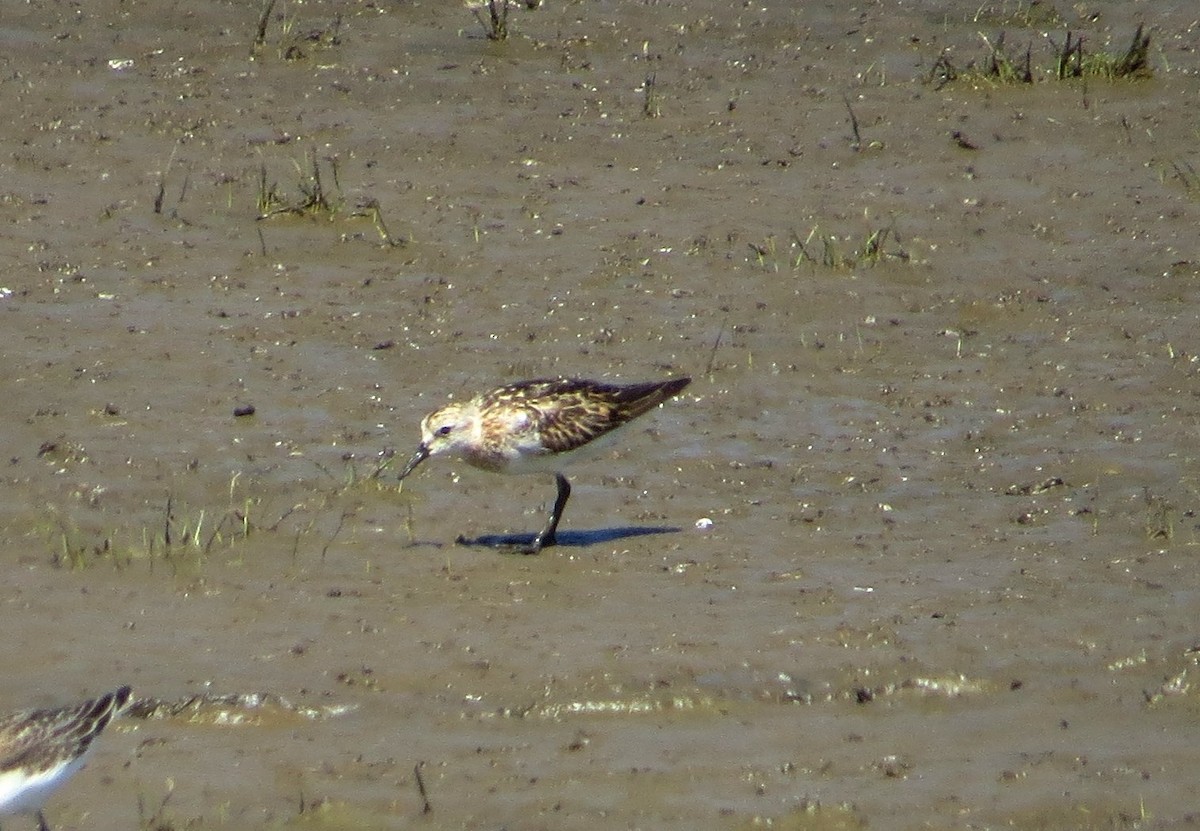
[(20, 793), (529, 456)]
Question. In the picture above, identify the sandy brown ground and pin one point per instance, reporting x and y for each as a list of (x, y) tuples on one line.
[(951, 576)]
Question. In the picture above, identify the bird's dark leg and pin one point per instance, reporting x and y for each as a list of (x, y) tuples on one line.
[(42, 826), (546, 536)]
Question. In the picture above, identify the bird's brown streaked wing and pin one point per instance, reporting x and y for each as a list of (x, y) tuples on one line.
[(570, 426), (636, 399), (17, 735), (580, 411), (569, 412), (35, 739), (572, 420), (524, 391), (91, 717)]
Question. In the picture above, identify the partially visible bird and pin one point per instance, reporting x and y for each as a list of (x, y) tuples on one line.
[(42, 749)]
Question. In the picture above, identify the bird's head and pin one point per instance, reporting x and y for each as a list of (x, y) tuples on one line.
[(444, 431)]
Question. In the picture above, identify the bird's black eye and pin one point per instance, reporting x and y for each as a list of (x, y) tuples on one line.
[(444, 430)]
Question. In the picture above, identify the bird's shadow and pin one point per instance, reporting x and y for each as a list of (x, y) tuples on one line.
[(572, 539)]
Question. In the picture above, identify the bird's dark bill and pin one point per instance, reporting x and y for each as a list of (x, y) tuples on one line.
[(421, 455)]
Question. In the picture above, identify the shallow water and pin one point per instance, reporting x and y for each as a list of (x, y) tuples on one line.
[(948, 580)]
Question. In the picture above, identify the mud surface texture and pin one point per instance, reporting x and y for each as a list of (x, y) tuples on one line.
[(925, 549)]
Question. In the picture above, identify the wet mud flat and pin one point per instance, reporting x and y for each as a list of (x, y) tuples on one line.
[(928, 505)]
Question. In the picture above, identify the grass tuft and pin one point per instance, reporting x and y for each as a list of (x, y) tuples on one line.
[(827, 250), (1160, 517), (260, 35), (1071, 60), (158, 820), (180, 534), (369, 207), (1074, 62), (1187, 176), (295, 43), (312, 199), (495, 27), (1003, 69), (650, 97)]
